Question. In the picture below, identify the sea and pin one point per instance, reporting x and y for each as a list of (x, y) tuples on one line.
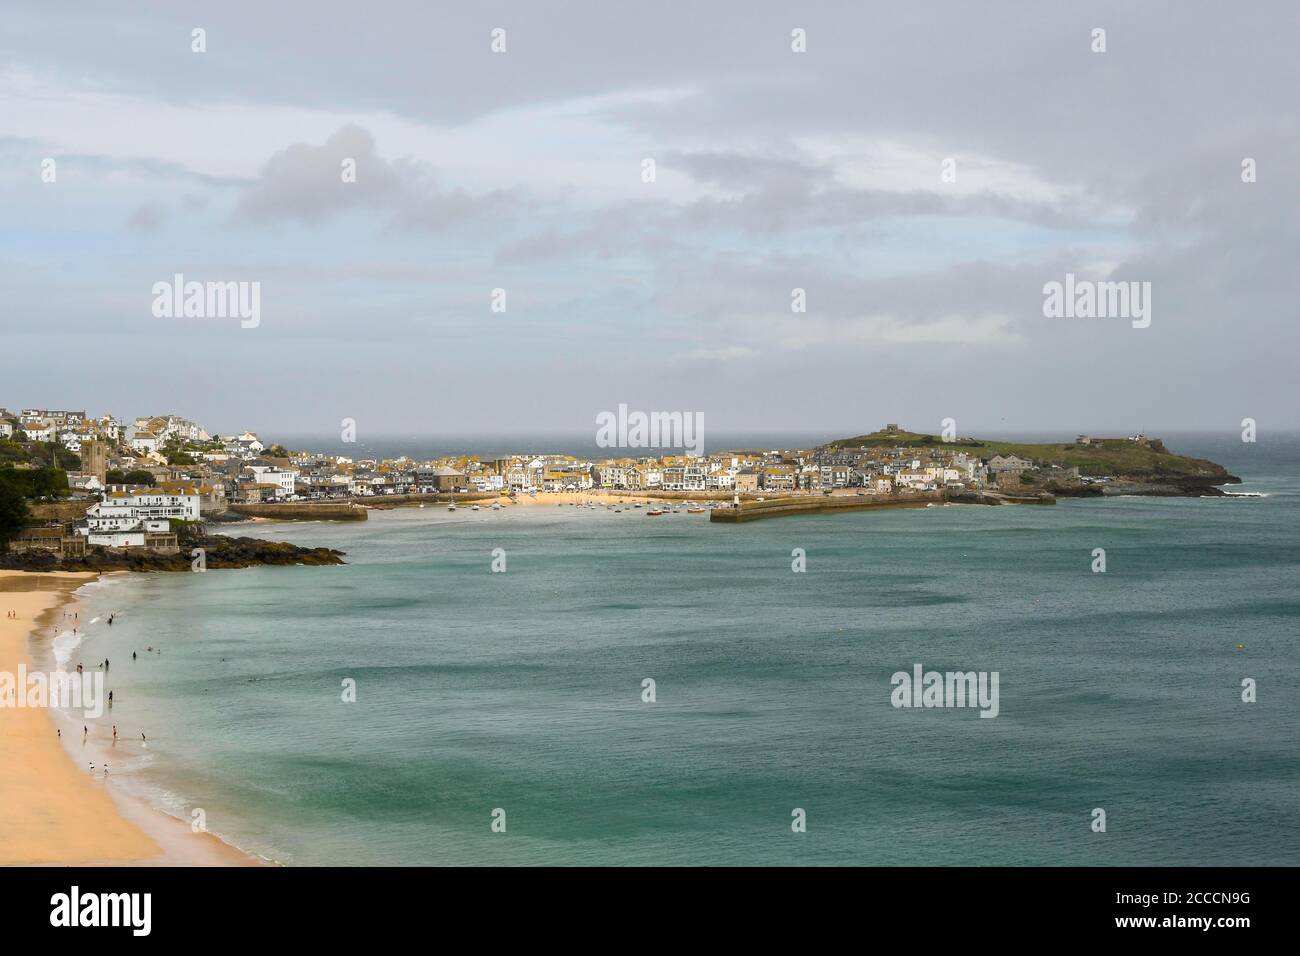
[(637, 691)]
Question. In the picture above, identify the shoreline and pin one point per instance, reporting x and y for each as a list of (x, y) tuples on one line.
[(53, 812)]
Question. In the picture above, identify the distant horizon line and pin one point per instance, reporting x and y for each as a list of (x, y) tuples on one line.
[(784, 432)]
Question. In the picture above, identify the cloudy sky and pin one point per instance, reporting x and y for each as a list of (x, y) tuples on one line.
[(774, 170)]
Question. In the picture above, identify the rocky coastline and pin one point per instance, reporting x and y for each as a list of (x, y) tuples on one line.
[(219, 552)]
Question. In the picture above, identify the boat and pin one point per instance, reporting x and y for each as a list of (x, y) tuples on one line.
[(653, 513), (695, 511), (474, 508), (496, 506), (452, 506)]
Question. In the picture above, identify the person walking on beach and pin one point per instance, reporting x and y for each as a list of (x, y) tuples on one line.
[(115, 733), (110, 698), (105, 663), (133, 655)]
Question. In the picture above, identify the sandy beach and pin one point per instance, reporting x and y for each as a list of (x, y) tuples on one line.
[(554, 498), (53, 811)]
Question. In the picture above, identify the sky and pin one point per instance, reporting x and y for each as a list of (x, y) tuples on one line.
[(828, 169)]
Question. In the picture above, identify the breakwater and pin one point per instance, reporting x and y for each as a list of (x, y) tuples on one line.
[(780, 507), (303, 511)]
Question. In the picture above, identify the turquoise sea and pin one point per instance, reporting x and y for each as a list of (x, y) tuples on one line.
[(523, 690)]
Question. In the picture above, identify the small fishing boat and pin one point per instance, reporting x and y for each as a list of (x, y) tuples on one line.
[(496, 506), (653, 513), (452, 506), (695, 511), (474, 508)]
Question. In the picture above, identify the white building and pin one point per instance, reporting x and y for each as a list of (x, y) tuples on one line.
[(146, 443), (285, 478), (79, 481), (134, 538), (125, 510), (126, 519)]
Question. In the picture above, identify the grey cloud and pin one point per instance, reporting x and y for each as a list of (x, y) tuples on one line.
[(305, 183), (1151, 132), (146, 217)]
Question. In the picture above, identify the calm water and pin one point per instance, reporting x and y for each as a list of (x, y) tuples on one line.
[(523, 690)]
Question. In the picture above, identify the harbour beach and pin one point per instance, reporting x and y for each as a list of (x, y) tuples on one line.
[(53, 810), (522, 689)]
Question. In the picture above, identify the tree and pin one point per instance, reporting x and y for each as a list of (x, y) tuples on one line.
[(60, 457), (176, 453), (35, 482), (115, 476), (13, 513)]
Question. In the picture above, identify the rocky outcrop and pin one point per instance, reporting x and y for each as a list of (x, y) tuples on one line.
[(1158, 486), (219, 552)]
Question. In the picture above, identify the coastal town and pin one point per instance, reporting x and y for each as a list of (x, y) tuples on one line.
[(130, 483)]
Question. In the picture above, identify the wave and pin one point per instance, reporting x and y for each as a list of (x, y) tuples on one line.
[(64, 645)]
